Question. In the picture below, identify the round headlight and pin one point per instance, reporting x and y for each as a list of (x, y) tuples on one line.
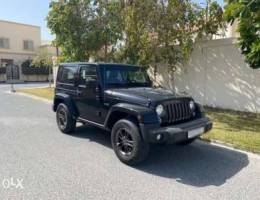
[(159, 109), (192, 105)]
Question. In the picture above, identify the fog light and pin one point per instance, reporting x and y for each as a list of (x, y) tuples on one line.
[(159, 137)]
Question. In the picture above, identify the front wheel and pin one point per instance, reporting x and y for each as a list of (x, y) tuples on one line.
[(127, 142), (64, 118)]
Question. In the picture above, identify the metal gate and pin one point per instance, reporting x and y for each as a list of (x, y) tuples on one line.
[(12, 73)]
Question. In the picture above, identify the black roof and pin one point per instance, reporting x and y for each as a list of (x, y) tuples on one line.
[(99, 64)]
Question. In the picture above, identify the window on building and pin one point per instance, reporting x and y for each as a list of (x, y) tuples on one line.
[(4, 43), (28, 45)]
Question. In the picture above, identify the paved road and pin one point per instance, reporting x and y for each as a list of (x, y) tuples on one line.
[(57, 166)]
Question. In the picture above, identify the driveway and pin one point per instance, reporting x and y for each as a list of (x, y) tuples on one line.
[(43, 163)]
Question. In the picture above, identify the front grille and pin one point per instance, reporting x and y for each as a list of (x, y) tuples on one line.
[(177, 110)]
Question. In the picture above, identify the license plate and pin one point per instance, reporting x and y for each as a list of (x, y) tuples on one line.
[(195, 132)]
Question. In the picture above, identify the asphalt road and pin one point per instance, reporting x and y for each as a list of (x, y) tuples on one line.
[(37, 161)]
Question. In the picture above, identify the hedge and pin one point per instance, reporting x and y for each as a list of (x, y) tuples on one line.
[(28, 69), (31, 70)]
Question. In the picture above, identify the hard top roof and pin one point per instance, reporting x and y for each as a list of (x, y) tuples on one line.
[(99, 64)]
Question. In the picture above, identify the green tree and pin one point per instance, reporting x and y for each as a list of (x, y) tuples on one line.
[(144, 32), (43, 59), (110, 22), (84, 27), (247, 15), (164, 31), (72, 23)]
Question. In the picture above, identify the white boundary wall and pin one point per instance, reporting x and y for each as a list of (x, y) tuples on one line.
[(217, 76)]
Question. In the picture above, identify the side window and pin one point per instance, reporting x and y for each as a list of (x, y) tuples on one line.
[(68, 74), (88, 73)]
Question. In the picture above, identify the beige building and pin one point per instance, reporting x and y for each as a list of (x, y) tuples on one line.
[(48, 47), (18, 42)]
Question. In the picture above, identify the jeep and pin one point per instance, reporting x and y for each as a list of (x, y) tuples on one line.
[(120, 99)]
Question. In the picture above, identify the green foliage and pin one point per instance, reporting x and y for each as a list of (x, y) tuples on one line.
[(42, 58), (109, 17), (145, 32), (164, 31), (210, 19), (247, 14), (83, 27), (26, 63)]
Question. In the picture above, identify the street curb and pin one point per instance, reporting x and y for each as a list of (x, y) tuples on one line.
[(32, 97), (229, 147)]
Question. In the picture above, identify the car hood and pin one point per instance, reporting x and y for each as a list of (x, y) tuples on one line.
[(142, 95)]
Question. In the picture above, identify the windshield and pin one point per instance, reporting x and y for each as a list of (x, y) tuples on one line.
[(126, 76)]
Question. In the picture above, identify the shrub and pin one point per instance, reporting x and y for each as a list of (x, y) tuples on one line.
[(29, 69)]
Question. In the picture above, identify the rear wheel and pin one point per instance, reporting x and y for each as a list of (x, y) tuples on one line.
[(65, 120), (128, 143)]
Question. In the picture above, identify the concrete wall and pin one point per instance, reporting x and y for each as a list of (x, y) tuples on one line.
[(27, 78), (34, 78), (217, 76)]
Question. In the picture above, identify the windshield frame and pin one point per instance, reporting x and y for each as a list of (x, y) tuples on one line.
[(148, 82)]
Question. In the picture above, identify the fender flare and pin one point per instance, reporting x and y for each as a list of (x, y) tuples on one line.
[(143, 114), (66, 99)]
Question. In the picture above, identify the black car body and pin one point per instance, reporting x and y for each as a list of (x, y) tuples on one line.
[(120, 98)]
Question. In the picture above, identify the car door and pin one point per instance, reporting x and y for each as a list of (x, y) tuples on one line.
[(66, 80), (89, 106)]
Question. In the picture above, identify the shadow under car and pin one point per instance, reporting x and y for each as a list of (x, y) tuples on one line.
[(199, 164)]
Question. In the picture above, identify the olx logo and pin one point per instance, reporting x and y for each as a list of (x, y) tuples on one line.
[(12, 183)]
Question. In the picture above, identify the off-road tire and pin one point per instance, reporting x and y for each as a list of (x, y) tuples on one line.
[(69, 126), (140, 148)]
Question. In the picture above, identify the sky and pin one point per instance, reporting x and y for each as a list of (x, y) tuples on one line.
[(33, 12), (27, 11)]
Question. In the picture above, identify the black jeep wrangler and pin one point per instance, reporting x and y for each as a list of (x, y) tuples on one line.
[(120, 98)]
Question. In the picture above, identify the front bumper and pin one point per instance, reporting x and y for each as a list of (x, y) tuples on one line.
[(175, 133)]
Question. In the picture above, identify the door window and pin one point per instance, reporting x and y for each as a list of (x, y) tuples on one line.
[(88, 73), (68, 74)]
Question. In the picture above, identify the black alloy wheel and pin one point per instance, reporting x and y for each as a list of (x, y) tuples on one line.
[(128, 143), (124, 141), (62, 118), (65, 120)]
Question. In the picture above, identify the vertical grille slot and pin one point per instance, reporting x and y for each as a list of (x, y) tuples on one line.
[(178, 110)]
